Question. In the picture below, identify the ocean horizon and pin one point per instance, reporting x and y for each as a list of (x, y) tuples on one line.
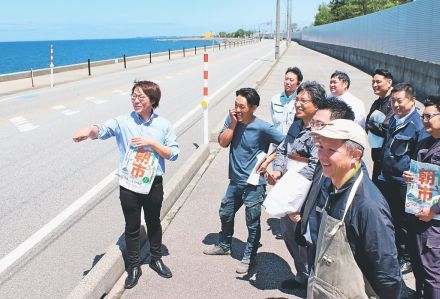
[(20, 56)]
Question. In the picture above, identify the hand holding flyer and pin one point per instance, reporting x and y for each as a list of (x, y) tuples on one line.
[(424, 191), (139, 170)]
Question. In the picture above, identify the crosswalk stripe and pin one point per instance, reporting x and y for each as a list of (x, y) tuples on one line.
[(22, 124)]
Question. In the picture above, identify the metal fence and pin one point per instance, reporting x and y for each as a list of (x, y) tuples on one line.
[(410, 30)]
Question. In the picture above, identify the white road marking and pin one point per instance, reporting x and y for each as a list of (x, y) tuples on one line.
[(126, 93), (64, 111), (24, 247), (22, 124), (90, 98), (33, 240), (168, 77), (116, 91), (69, 112), (99, 102)]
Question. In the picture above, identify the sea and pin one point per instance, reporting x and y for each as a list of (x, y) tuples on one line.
[(24, 55)]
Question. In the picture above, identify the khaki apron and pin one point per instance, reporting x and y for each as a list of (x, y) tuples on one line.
[(336, 274)]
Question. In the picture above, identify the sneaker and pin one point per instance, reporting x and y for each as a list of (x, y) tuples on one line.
[(245, 266), (217, 250)]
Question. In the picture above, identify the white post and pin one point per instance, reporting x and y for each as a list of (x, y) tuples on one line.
[(205, 100), (51, 65)]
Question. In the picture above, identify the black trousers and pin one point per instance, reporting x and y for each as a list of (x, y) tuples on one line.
[(395, 194), (132, 203)]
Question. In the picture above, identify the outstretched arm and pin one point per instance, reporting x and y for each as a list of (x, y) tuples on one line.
[(84, 133)]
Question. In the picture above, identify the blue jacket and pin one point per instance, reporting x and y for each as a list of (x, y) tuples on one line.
[(400, 145)]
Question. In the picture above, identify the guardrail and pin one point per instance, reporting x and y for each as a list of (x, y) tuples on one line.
[(147, 57)]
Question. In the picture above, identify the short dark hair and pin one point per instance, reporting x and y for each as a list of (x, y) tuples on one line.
[(338, 108), (250, 94), (341, 76), (383, 72), (433, 101), (296, 71), (151, 90), (409, 90), (315, 90)]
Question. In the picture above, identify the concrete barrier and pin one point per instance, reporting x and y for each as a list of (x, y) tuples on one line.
[(424, 76), (103, 276)]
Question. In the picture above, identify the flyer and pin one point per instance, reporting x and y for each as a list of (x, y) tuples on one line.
[(424, 192)]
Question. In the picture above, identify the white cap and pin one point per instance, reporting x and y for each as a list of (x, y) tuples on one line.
[(344, 129)]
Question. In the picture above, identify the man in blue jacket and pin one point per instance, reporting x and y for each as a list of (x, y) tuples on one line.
[(403, 135)]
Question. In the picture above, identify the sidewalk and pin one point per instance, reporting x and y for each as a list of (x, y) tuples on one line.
[(197, 223)]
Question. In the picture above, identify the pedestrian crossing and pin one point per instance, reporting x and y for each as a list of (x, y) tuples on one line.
[(22, 124)]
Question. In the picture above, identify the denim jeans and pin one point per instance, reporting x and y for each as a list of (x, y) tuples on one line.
[(237, 195)]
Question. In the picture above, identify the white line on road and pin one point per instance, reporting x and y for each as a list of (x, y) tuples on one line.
[(69, 112), (99, 102), (22, 124), (65, 111), (27, 245), (37, 237)]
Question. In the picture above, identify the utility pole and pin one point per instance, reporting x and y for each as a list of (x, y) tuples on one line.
[(277, 32), (289, 22)]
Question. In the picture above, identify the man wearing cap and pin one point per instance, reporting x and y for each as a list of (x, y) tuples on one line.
[(356, 256)]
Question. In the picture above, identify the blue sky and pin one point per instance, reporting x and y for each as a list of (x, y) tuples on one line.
[(82, 19)]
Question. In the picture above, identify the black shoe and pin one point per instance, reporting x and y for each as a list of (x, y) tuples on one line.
[(405, 267), (158, 266), (292, 284), (279, 236), (133, 277)]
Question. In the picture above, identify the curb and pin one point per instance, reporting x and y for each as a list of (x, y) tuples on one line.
[(101, 279)]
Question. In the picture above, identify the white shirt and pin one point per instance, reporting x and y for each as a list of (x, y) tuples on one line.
[(356, 105)]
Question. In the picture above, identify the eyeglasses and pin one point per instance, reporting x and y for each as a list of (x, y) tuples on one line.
[(317, 124), (427, 116), (140, 97), (302, 101)]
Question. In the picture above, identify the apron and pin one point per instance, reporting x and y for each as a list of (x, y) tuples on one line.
[(336, 274)]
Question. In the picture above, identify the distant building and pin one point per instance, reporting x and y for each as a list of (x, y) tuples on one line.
[(208, 35)]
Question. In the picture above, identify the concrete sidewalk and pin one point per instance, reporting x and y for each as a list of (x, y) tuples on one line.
[(197, 224)]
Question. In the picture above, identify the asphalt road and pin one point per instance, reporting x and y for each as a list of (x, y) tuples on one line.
[(43, 171)]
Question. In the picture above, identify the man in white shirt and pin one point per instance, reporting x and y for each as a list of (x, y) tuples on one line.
[(339, 85)]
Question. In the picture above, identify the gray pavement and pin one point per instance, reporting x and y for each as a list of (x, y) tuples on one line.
[(196, 225)]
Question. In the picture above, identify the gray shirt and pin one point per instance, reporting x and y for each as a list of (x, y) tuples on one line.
[(299, 141), (247, 142)]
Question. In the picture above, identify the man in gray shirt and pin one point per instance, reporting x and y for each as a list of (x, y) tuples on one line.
[(247, 136)]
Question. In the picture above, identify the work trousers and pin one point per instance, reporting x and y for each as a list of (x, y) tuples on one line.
[(395, 194), (132, 203)]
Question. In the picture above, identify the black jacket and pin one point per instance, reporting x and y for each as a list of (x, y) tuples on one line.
[(370, 234)]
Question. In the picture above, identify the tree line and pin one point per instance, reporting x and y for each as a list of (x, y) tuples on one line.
[(338, 10), (238, 33)]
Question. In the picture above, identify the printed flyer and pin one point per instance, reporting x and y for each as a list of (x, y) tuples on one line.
[(424, 191), (139, 170)]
